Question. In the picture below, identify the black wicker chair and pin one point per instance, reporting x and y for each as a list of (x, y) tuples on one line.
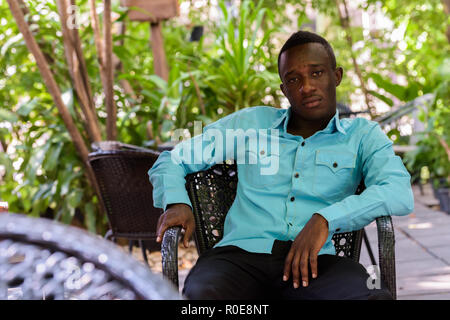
[(41, 259), (212, 193), (126, 193)]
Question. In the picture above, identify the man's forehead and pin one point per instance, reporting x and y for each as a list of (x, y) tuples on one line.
[(307, 54)]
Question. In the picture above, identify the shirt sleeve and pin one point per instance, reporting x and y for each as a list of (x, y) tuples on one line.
[(201, 152), (388, 187)]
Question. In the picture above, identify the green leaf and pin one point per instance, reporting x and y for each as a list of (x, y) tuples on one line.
[(42, 190), (383, 98), (90, 217), (65, 179), (6, 115), (158, 81), (25, 108), (10, 42), (66, 214), (52, 156), (394, 89), (74, 198)]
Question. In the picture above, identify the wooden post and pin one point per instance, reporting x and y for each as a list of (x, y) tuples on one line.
[(159, 55)]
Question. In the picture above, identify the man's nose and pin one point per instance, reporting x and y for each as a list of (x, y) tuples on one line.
[(307, 87)]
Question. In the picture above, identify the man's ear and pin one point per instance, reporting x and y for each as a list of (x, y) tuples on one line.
[(338, 74)]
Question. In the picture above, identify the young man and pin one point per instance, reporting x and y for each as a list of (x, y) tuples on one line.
[(277, 234)]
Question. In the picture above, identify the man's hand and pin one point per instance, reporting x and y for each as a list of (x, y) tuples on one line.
[(304, 250), (178, 214)]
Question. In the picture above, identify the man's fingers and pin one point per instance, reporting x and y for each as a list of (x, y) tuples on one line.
[(158, 226), (313, 264), (287, 265), (296, 270), (164, 223), (161, 230), (187, 235), (304, 268)]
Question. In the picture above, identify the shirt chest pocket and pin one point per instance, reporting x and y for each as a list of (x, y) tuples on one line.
[(333, 174)]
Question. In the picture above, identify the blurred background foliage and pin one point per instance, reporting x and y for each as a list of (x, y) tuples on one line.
[(232, 66)]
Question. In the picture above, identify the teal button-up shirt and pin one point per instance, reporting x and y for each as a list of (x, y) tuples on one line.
[(284, 179)]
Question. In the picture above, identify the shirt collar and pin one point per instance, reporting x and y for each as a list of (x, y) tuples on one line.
[(333, 125)]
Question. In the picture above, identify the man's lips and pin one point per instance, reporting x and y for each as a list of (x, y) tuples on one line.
[(311, 102)]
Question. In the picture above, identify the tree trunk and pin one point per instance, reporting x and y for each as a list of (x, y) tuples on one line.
[(111, 127), (446, 4), (49, 80), (83, 70), (75, 69), (345, 23)]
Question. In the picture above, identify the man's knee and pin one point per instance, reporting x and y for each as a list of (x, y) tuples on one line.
[(201, 291)]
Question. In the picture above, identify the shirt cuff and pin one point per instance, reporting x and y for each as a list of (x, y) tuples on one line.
[(179, 196), (338, 220)]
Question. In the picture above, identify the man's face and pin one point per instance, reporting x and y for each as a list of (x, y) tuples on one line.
[(309, 81)]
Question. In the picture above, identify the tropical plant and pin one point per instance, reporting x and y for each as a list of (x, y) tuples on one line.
[(433, 150)]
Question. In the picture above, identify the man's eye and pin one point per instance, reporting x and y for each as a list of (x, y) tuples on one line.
[(292, 80), (317, 73)]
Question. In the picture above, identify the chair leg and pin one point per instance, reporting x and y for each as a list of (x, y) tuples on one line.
[(144, 251), (369, 249), (130, 246), (110, 236)]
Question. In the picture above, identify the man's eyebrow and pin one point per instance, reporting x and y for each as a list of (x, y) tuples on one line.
[(313, 65)]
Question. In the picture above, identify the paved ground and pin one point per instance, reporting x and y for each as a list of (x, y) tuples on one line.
[(422, 251)]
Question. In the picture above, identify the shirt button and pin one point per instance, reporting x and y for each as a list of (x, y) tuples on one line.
[(303, 143), (262, 152), (292, 199), (338, 229), (335, 165), (296, 175)]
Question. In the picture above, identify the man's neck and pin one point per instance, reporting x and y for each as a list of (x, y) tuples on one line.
[(305, 128)]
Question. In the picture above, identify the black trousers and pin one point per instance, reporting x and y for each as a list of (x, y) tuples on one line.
[(230, 273)]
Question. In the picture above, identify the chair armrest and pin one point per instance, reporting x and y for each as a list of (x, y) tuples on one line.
[(169, 254), (386, 251)]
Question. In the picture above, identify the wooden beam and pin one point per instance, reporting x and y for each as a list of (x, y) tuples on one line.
[(159, 56)]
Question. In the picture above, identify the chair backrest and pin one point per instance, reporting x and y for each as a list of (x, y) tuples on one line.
[(212, 193), (126, 192), (44, 259)]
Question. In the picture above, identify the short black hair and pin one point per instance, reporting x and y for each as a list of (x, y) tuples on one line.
[(303, 37)]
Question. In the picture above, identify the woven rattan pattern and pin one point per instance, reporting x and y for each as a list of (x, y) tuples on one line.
[(126, 192), (219, 182), (214, 191), (43, 259)]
